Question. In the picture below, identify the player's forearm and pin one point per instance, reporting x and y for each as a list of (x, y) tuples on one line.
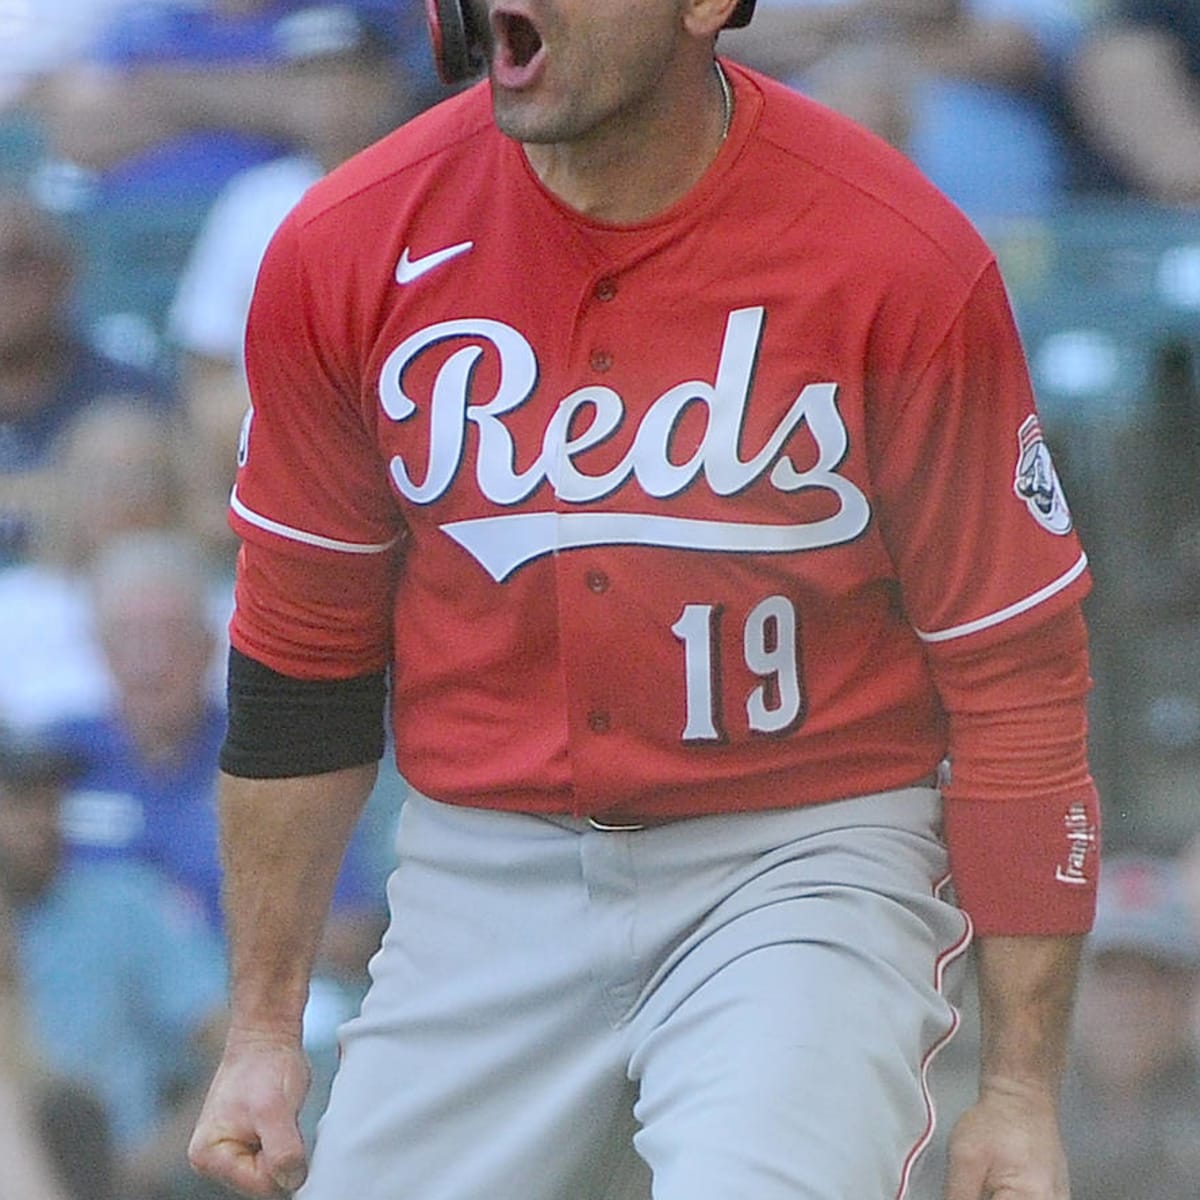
[(1026, 990), (282, 844)]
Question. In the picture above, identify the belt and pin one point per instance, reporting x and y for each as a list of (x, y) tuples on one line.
[(613, 822)]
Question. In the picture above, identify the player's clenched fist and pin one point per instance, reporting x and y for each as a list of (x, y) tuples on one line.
[(247, 1137), (1007, 1147)]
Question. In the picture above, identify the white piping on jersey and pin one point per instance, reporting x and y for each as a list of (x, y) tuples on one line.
[(1012, 610), (301, 535)]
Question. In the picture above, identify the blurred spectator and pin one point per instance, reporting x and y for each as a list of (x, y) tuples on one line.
[(1135, 84), (146, 788), (39, 36), (969, 89), (48, 374), (27, 1171), (178, 97), (149, 759), (787, 37), (124, 985), (1132, 1101), (115, 468), (348, 58)]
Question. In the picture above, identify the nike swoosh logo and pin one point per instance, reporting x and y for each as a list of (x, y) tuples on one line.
[(408, 269)]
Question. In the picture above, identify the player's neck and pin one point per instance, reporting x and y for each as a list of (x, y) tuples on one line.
[(627, 172)]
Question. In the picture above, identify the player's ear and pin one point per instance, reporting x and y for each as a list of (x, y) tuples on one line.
[(706, 18)]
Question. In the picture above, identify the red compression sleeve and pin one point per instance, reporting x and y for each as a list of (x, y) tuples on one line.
[(1022, 815)]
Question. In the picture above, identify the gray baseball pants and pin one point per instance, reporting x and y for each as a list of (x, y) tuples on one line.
[(737, 1007)]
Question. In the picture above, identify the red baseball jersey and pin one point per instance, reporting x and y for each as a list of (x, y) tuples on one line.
[(704, 513)]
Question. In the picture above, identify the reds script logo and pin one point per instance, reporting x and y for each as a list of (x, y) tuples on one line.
[(502, 543)]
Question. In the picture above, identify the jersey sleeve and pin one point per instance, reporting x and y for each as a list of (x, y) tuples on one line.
[(311, 502), (992, 574), (971, 507)]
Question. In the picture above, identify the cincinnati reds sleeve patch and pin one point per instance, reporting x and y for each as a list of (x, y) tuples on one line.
[(1036, 481)]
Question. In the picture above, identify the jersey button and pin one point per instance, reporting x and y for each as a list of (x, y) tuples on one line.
[(605, 290), (601, 361), (597, 582), (599, 721)]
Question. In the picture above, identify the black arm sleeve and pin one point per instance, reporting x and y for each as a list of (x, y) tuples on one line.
[(281, 727)]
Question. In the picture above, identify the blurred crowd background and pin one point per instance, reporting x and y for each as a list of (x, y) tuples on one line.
[(149, 148)]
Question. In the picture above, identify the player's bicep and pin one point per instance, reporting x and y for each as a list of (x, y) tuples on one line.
[(1018, 711), (327, 617), (310, 472), (973, 513)]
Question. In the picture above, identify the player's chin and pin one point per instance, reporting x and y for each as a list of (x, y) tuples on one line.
[(527, 118)]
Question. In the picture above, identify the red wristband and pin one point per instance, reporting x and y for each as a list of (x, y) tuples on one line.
[(1026, 866)]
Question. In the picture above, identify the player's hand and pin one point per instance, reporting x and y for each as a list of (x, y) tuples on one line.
[(247, 1136), (1008, 1147)]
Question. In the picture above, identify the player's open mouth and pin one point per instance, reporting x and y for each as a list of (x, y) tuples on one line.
[(517, 45)]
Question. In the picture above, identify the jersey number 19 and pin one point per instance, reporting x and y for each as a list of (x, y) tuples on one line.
[(770, 649)]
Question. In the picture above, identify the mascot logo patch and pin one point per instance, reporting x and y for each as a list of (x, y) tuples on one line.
[(1036, 480)]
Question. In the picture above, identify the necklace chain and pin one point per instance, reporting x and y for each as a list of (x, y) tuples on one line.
[(726, 99)]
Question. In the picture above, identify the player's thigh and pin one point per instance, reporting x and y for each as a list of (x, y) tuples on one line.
[(478, 1066), (785, 1056)]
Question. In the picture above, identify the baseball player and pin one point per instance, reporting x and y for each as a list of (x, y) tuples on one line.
[(666, 442)]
